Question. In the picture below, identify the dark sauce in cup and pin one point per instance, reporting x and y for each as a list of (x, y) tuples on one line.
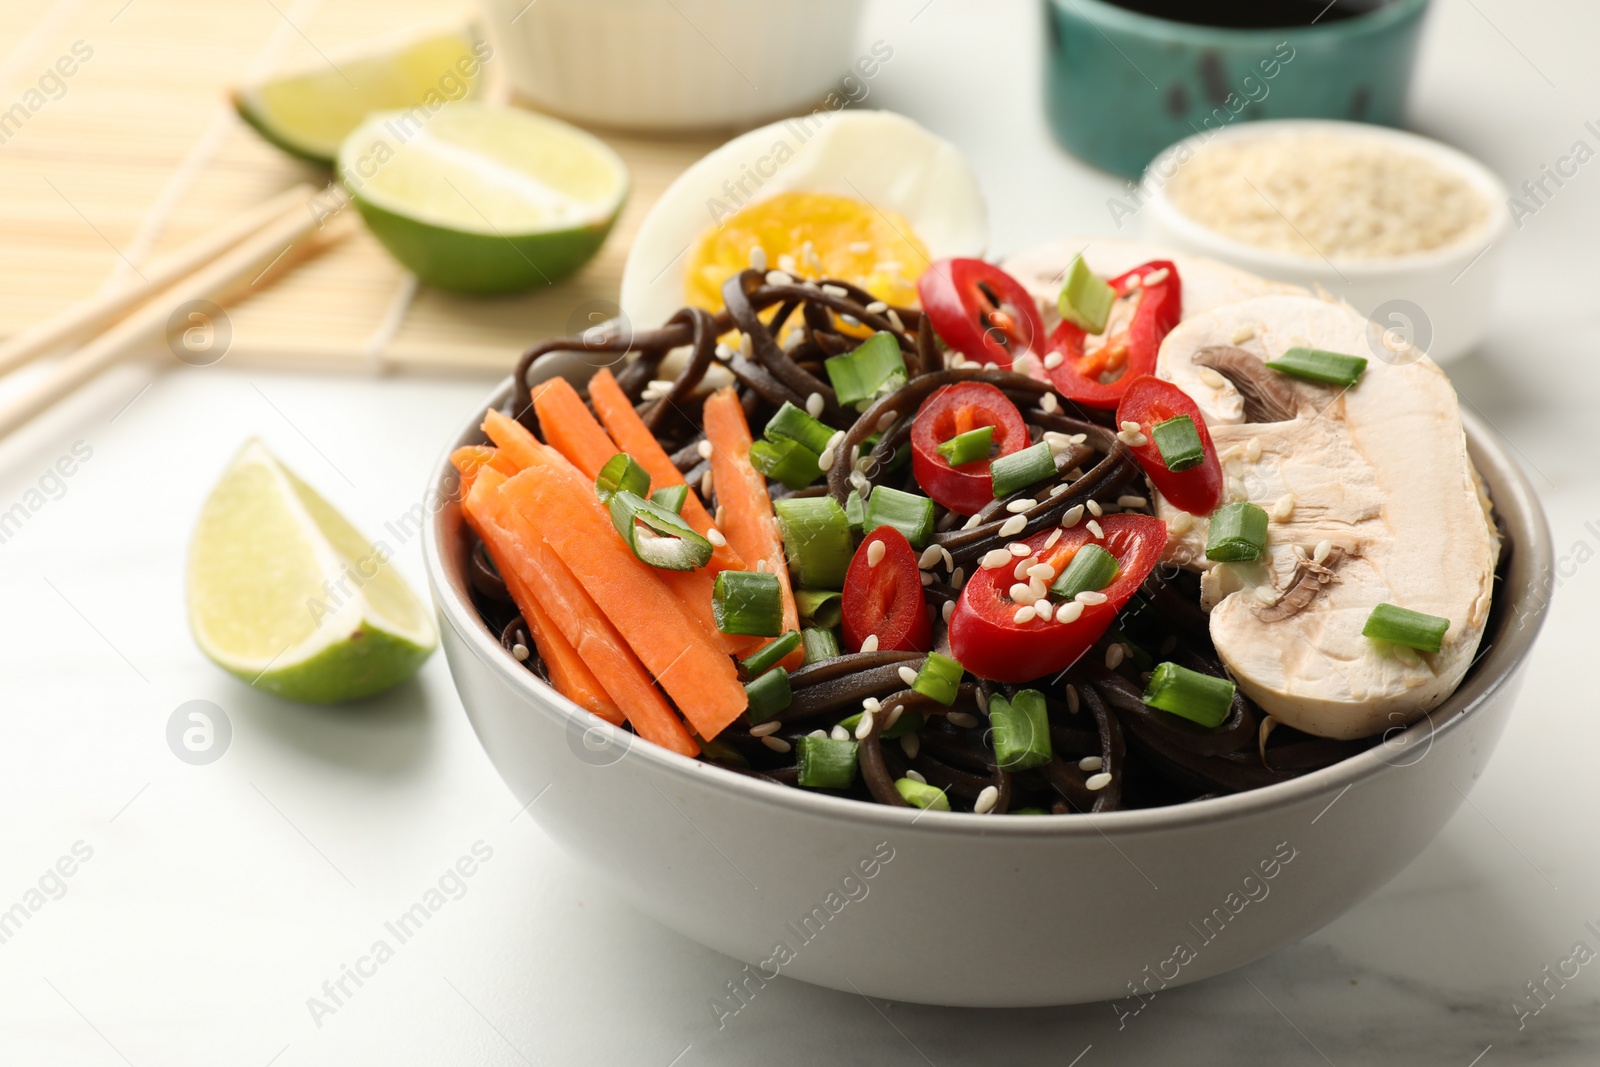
[(1252, 14)]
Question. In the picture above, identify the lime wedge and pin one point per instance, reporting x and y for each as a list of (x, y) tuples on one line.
[(484, 198), (286, 594), (310, 113)]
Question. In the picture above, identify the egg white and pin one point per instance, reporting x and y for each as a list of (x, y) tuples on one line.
[(878, 157)]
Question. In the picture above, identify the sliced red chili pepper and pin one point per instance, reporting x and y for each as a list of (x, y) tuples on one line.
[(1098, 379), (885, 598), (959, 409), (980, 310), (1149, 400), (988, 641)]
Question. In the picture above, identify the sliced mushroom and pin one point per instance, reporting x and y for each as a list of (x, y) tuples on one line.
[(1266, 395), (1380, 472)]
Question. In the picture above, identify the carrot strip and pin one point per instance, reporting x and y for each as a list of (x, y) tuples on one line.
[(632, 436), (569, 428), (693, 588), (469, 458), (518, 548), (662, 632), (751, 527)]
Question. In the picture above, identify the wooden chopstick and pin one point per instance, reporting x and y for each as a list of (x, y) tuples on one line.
[(87, 317), (252, 264)]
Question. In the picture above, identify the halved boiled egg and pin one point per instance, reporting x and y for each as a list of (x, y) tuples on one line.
[(868, 197)]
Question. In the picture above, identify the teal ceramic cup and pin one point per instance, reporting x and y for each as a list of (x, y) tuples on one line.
[(1120, 85)]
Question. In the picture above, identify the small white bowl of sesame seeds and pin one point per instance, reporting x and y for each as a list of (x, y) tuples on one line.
[(1404, 228)]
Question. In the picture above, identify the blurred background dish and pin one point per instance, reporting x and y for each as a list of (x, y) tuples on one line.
[(690, 64), (1401, 226), (1124, 79)]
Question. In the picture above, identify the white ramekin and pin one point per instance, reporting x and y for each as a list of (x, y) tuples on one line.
[(1441, 300), (674, 64)]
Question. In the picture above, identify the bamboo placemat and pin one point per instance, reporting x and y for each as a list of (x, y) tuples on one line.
[(137, 152)]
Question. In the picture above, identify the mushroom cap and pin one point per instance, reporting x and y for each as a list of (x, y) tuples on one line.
[(1380, 473)]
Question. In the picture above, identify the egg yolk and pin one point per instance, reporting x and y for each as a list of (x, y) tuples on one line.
[(811, 235)]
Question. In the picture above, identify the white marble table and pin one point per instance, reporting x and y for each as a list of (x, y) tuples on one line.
[(214, 901)]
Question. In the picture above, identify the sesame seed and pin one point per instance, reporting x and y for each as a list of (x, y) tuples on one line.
[(1320, 553), (1058, 441), (1073, 702), (870, 644), (761, 566), (836, 440), (849, 320), (907, 675), (1155, 277), (1058, 489), (777, 744), (894, 716), (959, 575), (949, 560), (778, 277), (1020, 593), (947, 520), (894, 320), (877, 307), (707, 483), (825, 460), (973, 522), (723, 352), (786, 263), (1134, 281), (1098, 782), (1266, 594), (983, 701), (872, 704), (520, 651), (1095, 509), (1069, 612), (814, 404), (714, 535), (1212, 378), (1180, 522), (1070, 517), (929, 557), (703, 449), (916, 776), (721, 515), (1053, 360), (766, 729), (1018, 549), (1131, 501), (875, 553), (1013, 526), (911, 744), (948, 610), (1042, 608), (886, 420), (1036, 587), (1050, 542), (859, 481), (1114, 655), (995, 557), (1094, 528), (1090, 596), (1042, 571), (758, 258), (818, 733), (1132, 440), (839, 733), (1252, 449), (855, 454), (864, 727), (1024, 614), (927, 578), (1091, 763), (747, 347), (987, 798), (1129, 426), (1243, 334), (962, 719), (1017, 507), (991, 365), (1048, 403)]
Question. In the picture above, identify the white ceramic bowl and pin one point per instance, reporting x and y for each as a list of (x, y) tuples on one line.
[(1441, 300), (982, 911), (679, 65)]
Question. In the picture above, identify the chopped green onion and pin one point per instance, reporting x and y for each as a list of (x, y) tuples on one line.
[(1021, 469), (909, 513), (1202, 698), (875, 366), (822, 608), (1317, 365), (820, 645), (767, 656), (1021, 730), (856, 511), (1402, 626), (826, 763), (939, 679), (1179, 443), (671, 497), (968, 447), (791, 423), (908, 722), (1085, 300), (768, 695), (816, 539), (747, 602), (621, 472), (922, 795), (1091, 570), (786, 461), (658, 536), (1238, 533)]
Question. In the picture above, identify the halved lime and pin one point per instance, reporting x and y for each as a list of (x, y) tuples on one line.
[(286, 594), (484, 198), (311, 112)]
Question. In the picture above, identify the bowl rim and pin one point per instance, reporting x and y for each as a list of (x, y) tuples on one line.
[(1272, 263), (1514, 500), (1101, 13)]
